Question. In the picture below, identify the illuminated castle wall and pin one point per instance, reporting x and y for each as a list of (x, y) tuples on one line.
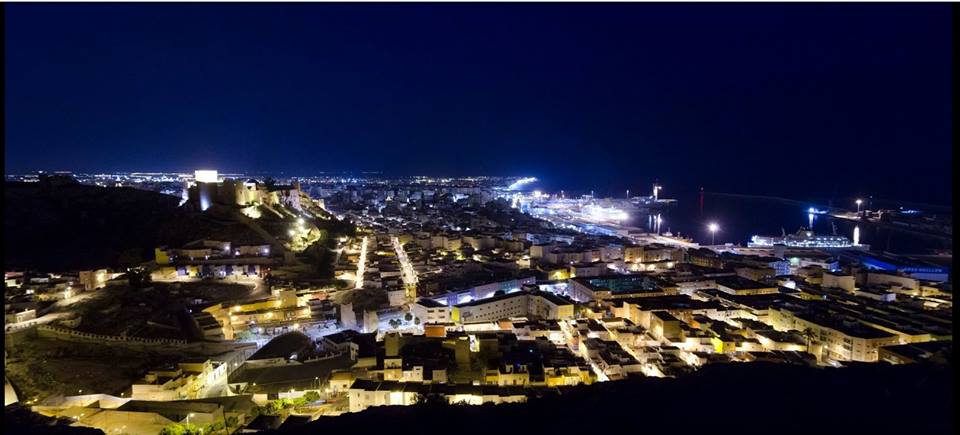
[(207, 189)]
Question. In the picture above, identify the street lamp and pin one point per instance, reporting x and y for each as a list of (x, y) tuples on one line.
[(713, 227), (859, 201)]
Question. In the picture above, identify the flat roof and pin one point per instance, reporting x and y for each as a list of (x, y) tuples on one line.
[(669, 302), (429, 303), (665, 316), (282, 346), (740, 283), (853, 329), (554, 298), (278, 378), (492, 299), (625, 283)]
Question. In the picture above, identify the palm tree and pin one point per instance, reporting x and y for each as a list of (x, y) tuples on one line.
[(811, 336)]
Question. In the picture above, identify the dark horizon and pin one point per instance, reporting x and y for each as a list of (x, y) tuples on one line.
[(813, 100)]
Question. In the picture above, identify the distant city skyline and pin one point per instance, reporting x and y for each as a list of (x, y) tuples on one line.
[(839, 199), (812, 100)]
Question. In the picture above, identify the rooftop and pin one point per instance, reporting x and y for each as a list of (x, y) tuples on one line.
[(625, 283), (283, 346), (740, 283)]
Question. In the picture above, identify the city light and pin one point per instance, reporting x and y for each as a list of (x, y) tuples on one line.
[(604, 214), (205, 176), (519, 183), (496, 288)]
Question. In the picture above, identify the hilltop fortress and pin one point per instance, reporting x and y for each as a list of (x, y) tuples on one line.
[(207, 189)]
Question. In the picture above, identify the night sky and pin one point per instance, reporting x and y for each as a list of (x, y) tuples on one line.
[(785, 99)]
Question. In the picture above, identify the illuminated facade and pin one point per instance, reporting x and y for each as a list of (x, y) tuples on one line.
[(651, 253), (364, 394), (207, 189), (183, 381), (843, 340), (285, 309), (519, 304), (737, 285), (430, 311)]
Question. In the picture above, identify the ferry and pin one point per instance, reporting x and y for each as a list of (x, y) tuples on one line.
[(803, 238)]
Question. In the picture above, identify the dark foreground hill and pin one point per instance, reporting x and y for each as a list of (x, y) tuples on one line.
[(731, 398), (73, 226), (61, 225), (18, 419)]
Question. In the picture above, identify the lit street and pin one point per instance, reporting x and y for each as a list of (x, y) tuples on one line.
[(361, 263), (407, 273), (478, 218)]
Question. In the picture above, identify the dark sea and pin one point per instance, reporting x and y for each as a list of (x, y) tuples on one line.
[(741, 217)]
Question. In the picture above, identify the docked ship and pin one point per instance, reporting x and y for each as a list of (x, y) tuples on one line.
[(648, 204), (640, 205), (804, 238)]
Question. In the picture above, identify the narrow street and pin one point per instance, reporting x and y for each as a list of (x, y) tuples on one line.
[(407, 273), (362, 263)]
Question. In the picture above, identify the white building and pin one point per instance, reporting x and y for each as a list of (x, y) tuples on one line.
[(517, 304), (431, 311)]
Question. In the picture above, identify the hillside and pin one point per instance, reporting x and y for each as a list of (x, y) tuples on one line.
[(61, 226), (73, 226)]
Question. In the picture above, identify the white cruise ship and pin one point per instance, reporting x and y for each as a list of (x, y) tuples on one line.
[(803, 238)]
